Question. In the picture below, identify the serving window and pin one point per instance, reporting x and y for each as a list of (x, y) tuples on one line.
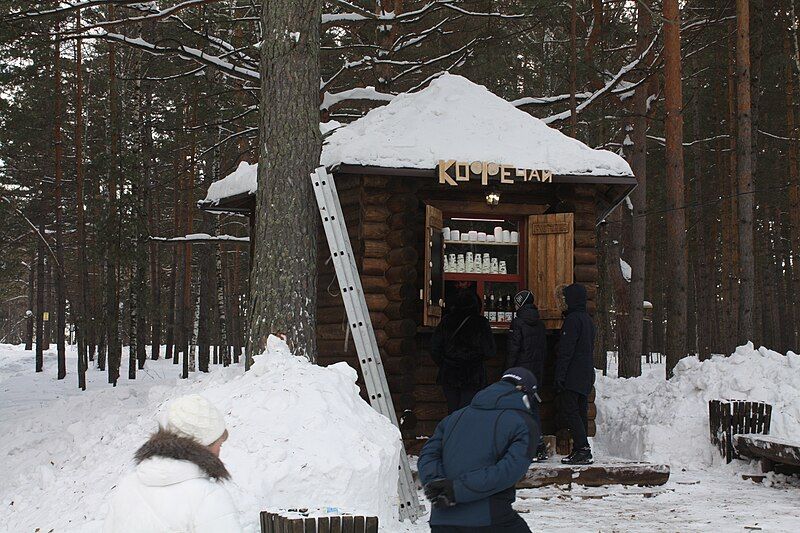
[(485, 254), (496, 256)]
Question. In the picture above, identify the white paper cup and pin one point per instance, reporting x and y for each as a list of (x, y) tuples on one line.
[(506, 236), (455, 235), (473, 236), (481, 236), (490, 238), (498, 234), (465, 237), (446, 233), (515, 237)]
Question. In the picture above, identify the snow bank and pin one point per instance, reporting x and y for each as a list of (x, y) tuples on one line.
[(667, 421), (300, 436), (454, 118)]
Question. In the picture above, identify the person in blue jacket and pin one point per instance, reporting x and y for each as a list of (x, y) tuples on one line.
[(574, 375), (476, 456)]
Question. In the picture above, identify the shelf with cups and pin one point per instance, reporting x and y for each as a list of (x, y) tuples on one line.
[(476, 276), (480, 243)]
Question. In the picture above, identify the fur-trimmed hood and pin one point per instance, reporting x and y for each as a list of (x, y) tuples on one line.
[(168, 458)]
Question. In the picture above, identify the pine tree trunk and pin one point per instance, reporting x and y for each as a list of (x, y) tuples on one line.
[(80, 309), (704, 303), (631, 344), (48, 291), (58, 172), (172, 329), (283, 277), (112, 230), (40, 251), (744, 174), (732, 240), (140, 193), (676, 223), (794, 197), (236, 309), (31, 315)]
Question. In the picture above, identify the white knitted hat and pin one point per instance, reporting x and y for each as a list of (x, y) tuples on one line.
[(195, 417)]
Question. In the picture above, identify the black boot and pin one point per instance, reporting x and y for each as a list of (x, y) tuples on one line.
[(579, 457), (541, 452)]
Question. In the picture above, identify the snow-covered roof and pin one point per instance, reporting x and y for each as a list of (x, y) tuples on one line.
[(454, 118), (242, 180)]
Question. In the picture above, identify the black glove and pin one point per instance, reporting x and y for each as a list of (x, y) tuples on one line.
[(440, 493)]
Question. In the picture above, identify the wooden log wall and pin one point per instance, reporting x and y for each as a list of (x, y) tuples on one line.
[(392, 203), (379, 211)]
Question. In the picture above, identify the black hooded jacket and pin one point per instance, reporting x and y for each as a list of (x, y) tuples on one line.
[(527, 343), (460, 344), (575, 360)]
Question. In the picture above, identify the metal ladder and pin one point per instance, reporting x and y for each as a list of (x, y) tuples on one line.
[(361, 326)]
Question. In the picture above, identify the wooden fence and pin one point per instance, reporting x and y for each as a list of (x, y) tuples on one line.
[(727, 418), (291, 523)]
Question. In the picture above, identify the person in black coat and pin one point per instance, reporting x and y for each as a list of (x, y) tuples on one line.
[(460, 344), (527, 343), (527, 348), (574, 375)]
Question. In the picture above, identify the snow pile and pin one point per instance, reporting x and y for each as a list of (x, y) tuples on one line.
[(300, 436), (242, 180), (648, 418), (454, 118)]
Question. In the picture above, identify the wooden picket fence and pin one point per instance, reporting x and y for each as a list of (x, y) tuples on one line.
[(281, 523), (727, 418)]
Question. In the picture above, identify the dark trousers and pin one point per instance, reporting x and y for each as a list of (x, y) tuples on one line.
[(574, 411), (459, 397), (517, 525)]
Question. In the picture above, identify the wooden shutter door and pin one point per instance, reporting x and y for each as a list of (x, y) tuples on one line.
[(433, 292), (550, 261)]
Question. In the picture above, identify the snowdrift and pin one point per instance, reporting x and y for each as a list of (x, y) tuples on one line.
[(300, 436), (648, 418)]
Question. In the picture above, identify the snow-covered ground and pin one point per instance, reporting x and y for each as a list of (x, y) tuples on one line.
[(300, 435)]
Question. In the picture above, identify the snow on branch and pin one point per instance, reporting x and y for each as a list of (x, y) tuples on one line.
[(359, 93), (608, 86), (181, 50), (199, 238)]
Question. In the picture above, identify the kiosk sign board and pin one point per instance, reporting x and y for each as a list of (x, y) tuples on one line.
[(451, 172)]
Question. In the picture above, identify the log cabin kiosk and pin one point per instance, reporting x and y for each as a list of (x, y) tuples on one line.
[(448, 187)]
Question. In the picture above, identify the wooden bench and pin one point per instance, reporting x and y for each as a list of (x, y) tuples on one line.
[(777, 455), (595, 475), (303, 521)]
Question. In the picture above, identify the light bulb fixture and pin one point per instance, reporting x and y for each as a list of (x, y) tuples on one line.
[(492, 198)]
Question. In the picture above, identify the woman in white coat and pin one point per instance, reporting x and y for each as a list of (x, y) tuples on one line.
[(177, 483)]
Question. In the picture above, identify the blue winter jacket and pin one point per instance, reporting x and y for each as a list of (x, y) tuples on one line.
[(484, 449)]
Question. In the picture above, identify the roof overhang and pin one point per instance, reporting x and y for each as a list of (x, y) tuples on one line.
[(612, 190)]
